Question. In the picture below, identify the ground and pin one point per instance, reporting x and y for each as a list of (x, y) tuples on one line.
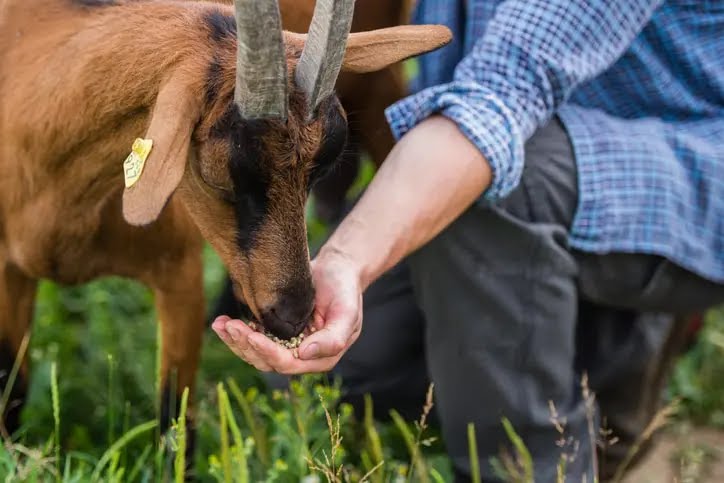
[(683, 454)]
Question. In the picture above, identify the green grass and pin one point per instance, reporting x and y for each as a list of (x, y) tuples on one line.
[(90, 411), (91, 405), (698, 378)]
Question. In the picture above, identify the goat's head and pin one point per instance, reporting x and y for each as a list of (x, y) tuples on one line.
[(242, 151)]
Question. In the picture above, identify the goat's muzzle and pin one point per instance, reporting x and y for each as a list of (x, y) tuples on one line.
[(291, 313)]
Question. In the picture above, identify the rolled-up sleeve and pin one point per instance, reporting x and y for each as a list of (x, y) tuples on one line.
[(531, 57)]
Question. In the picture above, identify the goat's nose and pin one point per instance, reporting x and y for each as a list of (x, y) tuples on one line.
[(287, 320), (289, 316)]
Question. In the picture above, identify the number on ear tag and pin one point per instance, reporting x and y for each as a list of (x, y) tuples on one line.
[(134, 163)]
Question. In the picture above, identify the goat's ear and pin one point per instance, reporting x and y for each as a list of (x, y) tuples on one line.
[(377, 49), (174, 116)]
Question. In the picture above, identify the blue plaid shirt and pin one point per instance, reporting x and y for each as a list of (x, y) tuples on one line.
[(639, 85)]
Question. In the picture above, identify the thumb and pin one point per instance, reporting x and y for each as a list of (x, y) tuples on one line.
[(341, 325)]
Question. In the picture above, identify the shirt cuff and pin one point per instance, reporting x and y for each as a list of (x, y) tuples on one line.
[(481, 116)]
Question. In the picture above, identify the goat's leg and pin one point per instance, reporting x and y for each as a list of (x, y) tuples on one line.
[(180, 307), (17, 297)]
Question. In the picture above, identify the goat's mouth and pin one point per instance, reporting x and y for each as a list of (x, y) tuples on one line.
[(287, 334), (288, 315)]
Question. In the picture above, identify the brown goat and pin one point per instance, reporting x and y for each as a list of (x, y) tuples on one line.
[(239, 135)]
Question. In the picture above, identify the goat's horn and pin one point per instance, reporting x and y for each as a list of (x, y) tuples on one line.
[(261, 66), (323, 52)]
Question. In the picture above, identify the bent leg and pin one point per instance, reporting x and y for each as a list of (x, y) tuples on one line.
[(500, 303), (180, 307), (498, 290)]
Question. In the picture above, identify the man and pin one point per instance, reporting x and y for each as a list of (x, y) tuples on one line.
[(560, 153)]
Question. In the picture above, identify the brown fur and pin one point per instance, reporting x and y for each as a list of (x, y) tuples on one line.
[(77, 85)]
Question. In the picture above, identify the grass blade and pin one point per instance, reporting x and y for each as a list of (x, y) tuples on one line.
[(373, 437), (180, 460), (473, 450), (56, 415), (416, 463), (140, 462), (242, 468), (660, 419), (119, 444), (223, 423), (523, 455), (257, 432), (111, 406)]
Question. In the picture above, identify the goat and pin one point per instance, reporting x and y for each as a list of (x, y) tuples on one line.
[(243, 120)]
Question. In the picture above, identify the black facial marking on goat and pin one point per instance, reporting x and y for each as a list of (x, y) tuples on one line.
[(94, 3), (221, 26), (246, 169), (18, 391), (333, 143), (214, 80)]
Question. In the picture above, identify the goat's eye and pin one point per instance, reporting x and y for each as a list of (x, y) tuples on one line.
[(213, 172), (320, 170), (330, 152), (228, 195)]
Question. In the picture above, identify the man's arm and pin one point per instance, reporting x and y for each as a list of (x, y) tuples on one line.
[(431, 176)]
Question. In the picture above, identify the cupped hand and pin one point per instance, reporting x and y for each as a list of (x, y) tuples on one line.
[(337, 322)]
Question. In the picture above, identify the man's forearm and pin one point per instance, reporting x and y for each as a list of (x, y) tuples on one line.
[(431, 176)]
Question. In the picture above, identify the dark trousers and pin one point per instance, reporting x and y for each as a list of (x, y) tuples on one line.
[(504, 317)]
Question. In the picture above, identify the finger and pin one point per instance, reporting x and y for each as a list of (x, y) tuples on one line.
[(314, 366), (239, 332), (318, 320), (244, 354), (278, 357), (235, 335), (219, 326), (282, 360), (326, 344), (339, 331), (220, 322)]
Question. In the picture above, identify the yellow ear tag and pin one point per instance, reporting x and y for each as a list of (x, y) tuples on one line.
[(133, 165)]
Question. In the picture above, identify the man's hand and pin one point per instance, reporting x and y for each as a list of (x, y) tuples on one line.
[(337, 323)]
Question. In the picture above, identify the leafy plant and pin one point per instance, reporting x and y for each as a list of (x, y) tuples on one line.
[(698, 379)]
